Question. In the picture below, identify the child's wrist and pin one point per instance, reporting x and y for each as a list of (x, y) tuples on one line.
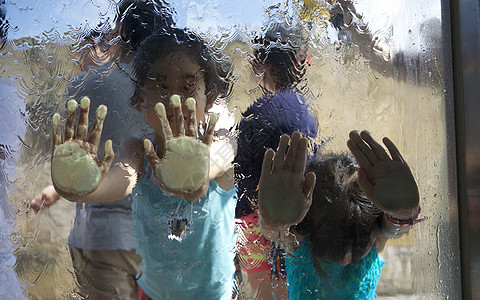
[(392, 231), (270, 229), (408, 218), (404, 213)]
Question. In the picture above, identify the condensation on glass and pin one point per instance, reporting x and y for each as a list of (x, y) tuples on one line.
[(400, 94)]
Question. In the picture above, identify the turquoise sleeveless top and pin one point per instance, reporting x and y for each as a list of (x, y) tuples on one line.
[(187, 247), (354, 281)]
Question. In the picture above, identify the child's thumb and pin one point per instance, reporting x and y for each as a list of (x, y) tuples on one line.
[(365, 185), (309, 184), (150, 154), (108, 155)]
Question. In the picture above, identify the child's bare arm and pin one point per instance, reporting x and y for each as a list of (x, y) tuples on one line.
[(386, 180), (285, 193), (382, 57), (184, 167), (222, 154), (46, 198), (77, 174)]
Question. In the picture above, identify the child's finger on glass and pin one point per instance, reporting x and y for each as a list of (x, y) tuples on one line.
[(301, 159), (208, 138), (279, 159), (82, 128), (97, 128), (150, 154), (191, 122), (354, 144), (365, 148), (166, 131), (179, 126), (309, 184), (292, 151), (394, 152), (377, 149), (57, 133), (108, 154), (267, 162), (70, 124)]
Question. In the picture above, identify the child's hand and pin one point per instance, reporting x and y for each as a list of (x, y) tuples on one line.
[(76, 169), (184, 168), (386, 181), (285, 194), (46, 198)]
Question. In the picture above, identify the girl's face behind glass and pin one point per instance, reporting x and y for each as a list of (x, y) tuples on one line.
[(173, 73)]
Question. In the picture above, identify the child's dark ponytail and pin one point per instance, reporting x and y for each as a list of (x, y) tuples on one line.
[(341, 218)]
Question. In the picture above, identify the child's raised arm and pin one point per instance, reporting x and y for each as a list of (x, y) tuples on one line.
[(77, 173), (285, 193), (387, 181)]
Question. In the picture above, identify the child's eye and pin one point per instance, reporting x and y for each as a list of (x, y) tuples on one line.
[(161, 85), (191, 83), (158, 80), (190, 79), (190, 90)]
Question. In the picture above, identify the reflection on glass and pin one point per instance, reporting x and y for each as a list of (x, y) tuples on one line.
[(336, 67)]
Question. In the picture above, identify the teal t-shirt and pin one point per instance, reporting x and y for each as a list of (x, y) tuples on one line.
[(188, 248), (354, 281)]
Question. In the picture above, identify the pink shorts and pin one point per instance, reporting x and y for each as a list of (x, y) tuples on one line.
[(254, 249)]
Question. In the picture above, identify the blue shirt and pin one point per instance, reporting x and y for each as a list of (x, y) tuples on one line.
[(354, 281), (194, 263)]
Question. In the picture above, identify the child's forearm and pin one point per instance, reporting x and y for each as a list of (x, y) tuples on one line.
[(389, 231), (270, 229), (373, 48), (395, 226), (280, 235)]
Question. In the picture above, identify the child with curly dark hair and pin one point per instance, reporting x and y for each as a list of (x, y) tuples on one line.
[(336, 219), (183, 215)]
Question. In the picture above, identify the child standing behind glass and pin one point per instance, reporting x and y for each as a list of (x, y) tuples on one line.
[(183, 215), (339, 216)]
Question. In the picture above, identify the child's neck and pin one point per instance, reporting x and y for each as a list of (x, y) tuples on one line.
[(268, 82)]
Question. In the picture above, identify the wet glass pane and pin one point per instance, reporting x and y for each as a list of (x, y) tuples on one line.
[(334, 66)]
